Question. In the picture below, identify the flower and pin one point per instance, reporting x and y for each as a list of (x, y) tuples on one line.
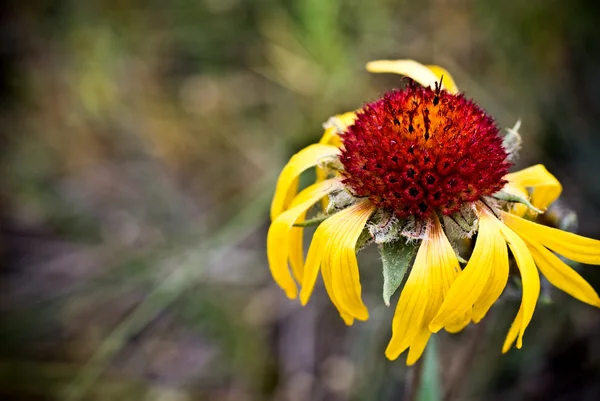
[(423, 167)]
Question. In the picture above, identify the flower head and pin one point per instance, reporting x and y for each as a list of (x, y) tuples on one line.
[(418, 171), (421, 150)]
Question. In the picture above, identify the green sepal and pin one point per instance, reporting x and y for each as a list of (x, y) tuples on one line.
[(364, 240), (396, 257), (339, 200), (386, 230), (314, 221), (508, 197), (512, 141), (457, 253), (469, 226)]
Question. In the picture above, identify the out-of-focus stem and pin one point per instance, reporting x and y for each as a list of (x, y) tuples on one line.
[(412, 389), (466, 361)]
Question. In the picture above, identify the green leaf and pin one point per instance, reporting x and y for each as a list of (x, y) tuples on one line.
[(396, 257)]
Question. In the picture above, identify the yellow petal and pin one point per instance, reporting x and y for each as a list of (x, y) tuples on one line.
[(347, 119), (334, 244), (313, 261), (529, 278), (331, 137), (306, 158), (409, 68), (545, 188), (448, 81), (328, 282), (311, 270), (335, 126), (458, 324), (296, 240), (411, 306), (279, 232), (341, 252), (417, 347), (472, 281), (498, 278), (291, 193), (322, 176), (296, 249), (571, 246), (513, 332), (433, 272), (562, 276)]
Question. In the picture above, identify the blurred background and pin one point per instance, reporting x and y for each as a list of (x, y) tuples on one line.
[(140, 142)]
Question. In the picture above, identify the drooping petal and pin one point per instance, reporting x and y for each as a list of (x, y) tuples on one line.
[(291, 193), (513, 332), (333, 249), (434, 270), (529, 277), (411, 306), (571, 246), (311, 270), (296, 237), (498, 278), (278, 237), (417, 347), (409, 68), (562, 276), (313, 261), (545, 188), (306, 158), (331, 137), (448, 81), (459, 324), (468, 288), (342, 260), (296, 246)]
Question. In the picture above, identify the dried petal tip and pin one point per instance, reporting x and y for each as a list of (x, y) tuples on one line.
[(422, 150)]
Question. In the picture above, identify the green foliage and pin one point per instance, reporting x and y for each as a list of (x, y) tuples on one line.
[(396, 258)]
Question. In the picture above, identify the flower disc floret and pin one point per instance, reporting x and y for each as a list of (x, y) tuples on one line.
[(422, 150)]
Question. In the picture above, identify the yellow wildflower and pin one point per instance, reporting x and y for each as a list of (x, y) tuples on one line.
[(425, 166)]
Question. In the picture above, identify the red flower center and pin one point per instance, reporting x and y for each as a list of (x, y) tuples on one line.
[(419, 150)]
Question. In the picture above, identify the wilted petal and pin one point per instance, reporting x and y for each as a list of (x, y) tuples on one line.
[(529, 277)]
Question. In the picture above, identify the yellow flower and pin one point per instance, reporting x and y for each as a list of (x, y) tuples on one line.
[(422, 166)]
